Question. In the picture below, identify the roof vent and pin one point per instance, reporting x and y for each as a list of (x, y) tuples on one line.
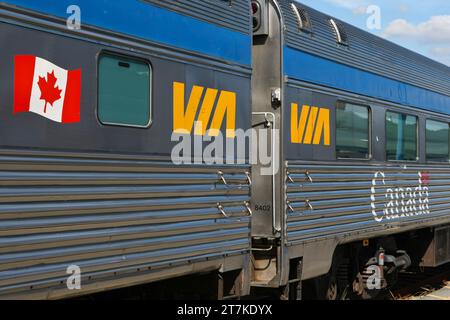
[(339, 31), (304, 24)]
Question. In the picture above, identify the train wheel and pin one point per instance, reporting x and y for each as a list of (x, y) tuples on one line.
[(332, 292)]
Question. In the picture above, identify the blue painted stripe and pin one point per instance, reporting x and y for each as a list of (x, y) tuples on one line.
[(306, 67), (140, 19)]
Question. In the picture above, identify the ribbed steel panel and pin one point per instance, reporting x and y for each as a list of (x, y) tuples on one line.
[(365, 51), (234, 14), (342, 200), (113, 215)]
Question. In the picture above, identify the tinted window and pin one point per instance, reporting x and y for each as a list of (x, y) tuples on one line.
[(352, 131), (123, 91), (437, 137), (401, 137)]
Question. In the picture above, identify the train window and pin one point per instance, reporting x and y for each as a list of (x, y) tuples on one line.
[(401, 137), (437, 141), (124, 91), (352, 131), (339, 32), (303, 22)]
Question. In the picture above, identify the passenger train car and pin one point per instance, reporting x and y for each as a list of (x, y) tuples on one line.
[(92, 198)]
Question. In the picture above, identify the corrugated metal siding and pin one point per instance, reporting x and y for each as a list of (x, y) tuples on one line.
[(366, 51), (111, 215), (332, 201), (234, 14)]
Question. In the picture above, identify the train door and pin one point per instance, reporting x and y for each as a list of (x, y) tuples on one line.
[(267, 220)]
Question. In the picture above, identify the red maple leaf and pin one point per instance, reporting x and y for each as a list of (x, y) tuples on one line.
[(425, 177), (50, 92)]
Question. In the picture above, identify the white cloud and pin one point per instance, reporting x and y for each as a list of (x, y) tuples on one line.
[(403, 8), (441, 54), (361, 10), (434, 31), (349, 4), (441, 51), (434, 35), (358, 7)]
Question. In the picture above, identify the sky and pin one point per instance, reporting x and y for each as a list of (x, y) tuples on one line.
[(422, 26)]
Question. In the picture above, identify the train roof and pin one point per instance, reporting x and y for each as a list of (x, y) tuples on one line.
[(360, 49), (212, 28)]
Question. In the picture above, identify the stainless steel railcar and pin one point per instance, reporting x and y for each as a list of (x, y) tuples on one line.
[(102, 193), (88, 178), (364, 153)]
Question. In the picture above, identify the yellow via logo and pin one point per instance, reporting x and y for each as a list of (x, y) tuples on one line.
[(313, 124), (184, 115)]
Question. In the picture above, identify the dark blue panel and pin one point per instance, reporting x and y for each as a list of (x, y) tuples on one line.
[(306, 67), (143, 20)]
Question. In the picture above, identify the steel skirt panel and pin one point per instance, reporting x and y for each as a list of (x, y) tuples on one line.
[(112, 216), (341, 201)]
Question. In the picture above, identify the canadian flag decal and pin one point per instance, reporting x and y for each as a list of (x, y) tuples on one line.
[(46, 89)]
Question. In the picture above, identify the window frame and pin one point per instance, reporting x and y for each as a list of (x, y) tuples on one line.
[(426, 136), (340, 33), (299, 21), (417, 136), (369, 109), (151, 88)]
